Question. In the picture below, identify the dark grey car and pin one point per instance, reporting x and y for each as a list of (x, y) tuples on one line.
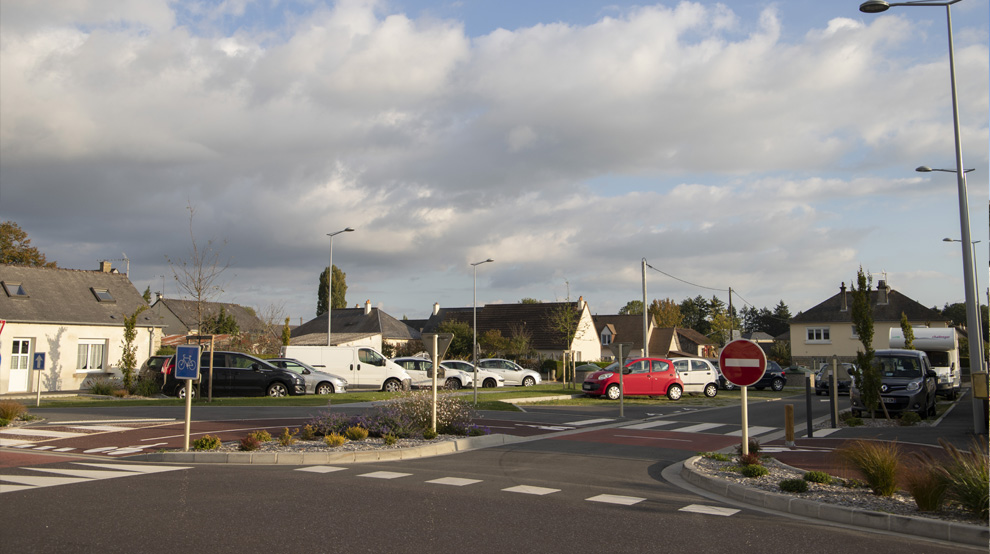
[(908, 383)]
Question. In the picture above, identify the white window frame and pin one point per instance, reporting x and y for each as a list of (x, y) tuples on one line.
[(855, 335), (817, 335), (85, 361), (20, 360), (606, 338)]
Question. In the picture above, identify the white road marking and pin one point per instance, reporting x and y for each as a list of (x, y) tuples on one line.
[(454, 481), (88, 473), (15, 443), (100, 449), (648, 425), (824, 432), (65, 449), (42, 433), (589, 421), (38, 481), (698, 428), (135, 468), (109, 428), (526, 489), (753, 431), (615, 499), (385, 475), (709, 510), (653, 438), (321, 469)]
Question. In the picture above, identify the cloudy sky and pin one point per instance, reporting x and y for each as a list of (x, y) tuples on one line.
[(768, 147)]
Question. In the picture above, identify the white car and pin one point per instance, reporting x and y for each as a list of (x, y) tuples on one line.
[(418, 369), (698, 375), (513, 373), (486, 379), (317, 382)]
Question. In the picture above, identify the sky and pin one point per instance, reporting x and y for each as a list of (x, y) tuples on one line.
[(769, 147)]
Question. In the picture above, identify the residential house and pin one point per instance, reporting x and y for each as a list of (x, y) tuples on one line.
[(181, 317), (664, 342), (827, 329), (75, 318), (355, 327)]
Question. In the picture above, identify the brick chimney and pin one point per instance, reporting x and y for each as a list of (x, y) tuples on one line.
[(367, 307), (844, 304), (105, 266), (883, 293)]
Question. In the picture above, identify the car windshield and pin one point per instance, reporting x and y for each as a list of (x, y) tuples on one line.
[(901, 367)]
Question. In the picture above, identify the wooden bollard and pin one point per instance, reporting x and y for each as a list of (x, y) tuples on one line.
[(789, 424)]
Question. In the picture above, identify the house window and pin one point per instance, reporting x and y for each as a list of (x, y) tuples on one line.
[(20, 357), (606, 339), (855, 335), (14, 290), (103, 295), (91, 355), (818, 335)]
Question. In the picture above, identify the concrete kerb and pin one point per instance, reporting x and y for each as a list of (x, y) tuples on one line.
[(948, 531)]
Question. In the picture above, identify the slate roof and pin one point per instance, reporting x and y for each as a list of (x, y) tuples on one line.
[(830, 310), (355, 321), (65, 297), (185, 312), (628, 328), (537, 319)]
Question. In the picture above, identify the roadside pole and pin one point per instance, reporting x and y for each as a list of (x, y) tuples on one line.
[(620, 349), (743, 363), (436, 345), (745, 420), (833, 393), (39, 368), (807, 403), (436, 368), (187, 367)]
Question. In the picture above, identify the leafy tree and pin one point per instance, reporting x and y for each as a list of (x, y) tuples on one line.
[(128, 361), (460, 345), (781, 322), (721, 326), (147, 295), (908, 332), (633, 307), (780, 352), (666, 313), (868, 378), (530, 301), (16, 249), (695, 312), (199, 275), (286, 333), (492, 343), (519, 344), (220, 324), (338, 293)]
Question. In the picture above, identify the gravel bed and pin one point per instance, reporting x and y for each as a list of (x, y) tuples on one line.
[(369, 443), (836, 494)]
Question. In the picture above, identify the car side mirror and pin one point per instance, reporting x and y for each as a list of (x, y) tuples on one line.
[(626, 371), (931, 374), (306, 371), (255, 366)]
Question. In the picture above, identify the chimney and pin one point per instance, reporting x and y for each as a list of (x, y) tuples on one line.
[(105, 266), (436, 308), (580, 302), (160, 295), (882, 292), (844, 304), (367, 307)]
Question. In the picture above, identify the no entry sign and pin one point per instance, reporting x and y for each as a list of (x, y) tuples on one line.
[(742, 362)]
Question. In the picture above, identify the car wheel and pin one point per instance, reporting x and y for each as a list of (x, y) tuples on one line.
[(729, 386), (818, 393), (529, 382), (452, 384), (392, 385), (489, 384), (276, 390), (777, 385), (612, 392), (181, 392), (711, 390), (324, 388), (674, 392)]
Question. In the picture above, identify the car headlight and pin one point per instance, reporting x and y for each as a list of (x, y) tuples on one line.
[(913, 386), (604, 376)]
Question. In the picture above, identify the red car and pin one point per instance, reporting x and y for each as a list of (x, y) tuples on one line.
[(640, 377)]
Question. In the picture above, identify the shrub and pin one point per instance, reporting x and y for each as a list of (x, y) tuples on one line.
[(818, 477), (327, 422), (852, 484), (206, 442), (754, 447), (356, 433), (430, 434), (11, 410), (717, 456), (908, 419), (414, 410), (102, 387), (926, 483), (250, 442), (968, 476), (261, 435), (308, 433), (750, 459), (4, 422), (477, 431), (854, 422), (879, 462), (390, 439), (334, 439), (146, 387), (119, 393), (754, 471), (288, 438), (794, 485)]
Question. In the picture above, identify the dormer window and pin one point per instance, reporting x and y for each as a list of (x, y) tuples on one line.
[(14, 290), (103, 295)]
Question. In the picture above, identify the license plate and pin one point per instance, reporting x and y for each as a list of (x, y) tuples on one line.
[(887, 400)]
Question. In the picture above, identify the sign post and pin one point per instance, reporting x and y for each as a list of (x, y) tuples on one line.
[(39, 366), (437, 345), (621, 349), (743, 363), (187, 367)]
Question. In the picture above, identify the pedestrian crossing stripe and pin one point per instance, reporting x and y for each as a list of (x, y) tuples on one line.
[(699, 428), (68, 476)]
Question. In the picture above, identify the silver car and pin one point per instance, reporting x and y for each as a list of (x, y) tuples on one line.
[(486, 379), (513, 373), (317, 382)]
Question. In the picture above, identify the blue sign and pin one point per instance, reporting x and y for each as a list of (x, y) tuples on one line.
[(187, 362), (39, 361)]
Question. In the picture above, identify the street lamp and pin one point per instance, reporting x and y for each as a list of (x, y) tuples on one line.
[(969, 273), (979, 328), (474, 327), (330, 280)]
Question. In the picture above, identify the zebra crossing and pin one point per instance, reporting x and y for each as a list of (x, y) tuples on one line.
[(34, 437), (83, 474)]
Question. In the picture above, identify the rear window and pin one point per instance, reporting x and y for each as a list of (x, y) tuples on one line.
[(900, 367)]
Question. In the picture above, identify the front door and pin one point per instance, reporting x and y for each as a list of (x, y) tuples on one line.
[(636, 378), (371, 369), (20, 366)]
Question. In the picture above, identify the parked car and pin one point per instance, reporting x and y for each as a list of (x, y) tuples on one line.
[(154, 367), (486, 379), (513, 373), (640, 377), (362, 366), (698, 375), (419, 370), (774, 377), (908, 383), (823, 378), (237, 374), (317, 382)]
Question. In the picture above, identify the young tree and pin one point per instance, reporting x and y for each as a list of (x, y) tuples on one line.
[(199, 275), (286, 333), (220, 324), (908, 332), (666, 313), (492, 343), (519, 341), (529, 301), (633, 307), (128, 361), (696, 311), (868, 378), (16, 249), (460, 345), (339, 292), (781, 321)]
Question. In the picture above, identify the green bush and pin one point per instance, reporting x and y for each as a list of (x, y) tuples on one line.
[(206, 442), (968, 476), (308, 433), (818, 477), (926, 483), (754, 471), (794, 485), (908, 419), (249, 443), (390, 439), (879, 462), (288, 438), (261, 435), (356, 433), (717, 456), (102, 387), (146, 387), (11, 410), (750, 459), (854, 422), (333, 440), (754, 447), (430, 434), (4, 422)]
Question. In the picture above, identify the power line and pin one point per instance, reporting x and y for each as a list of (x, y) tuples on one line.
[(683, 281)]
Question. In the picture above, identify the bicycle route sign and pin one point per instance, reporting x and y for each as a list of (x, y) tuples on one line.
[(742, 362), (187, 362)]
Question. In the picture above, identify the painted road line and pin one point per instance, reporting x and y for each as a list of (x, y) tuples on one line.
[(65, 449), (13, 488), (454, 481), (698, 428), (108, 428), (137, 469), (526, 489), (615, 499), (321, 469), (39, 481), (589, 421), (88, 473), (648, 425), (104, 421), (709, 510), (14, 443), (753, 431), (32, 432), (385, 475), (819, 433), (652, 438)]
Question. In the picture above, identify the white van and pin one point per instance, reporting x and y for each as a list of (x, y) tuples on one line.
[(942, 347), (698, 375), (363, 367)]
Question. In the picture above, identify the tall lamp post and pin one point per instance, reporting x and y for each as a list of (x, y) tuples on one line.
[(979, 330), (330, 281), (474, 328), (969, 279)]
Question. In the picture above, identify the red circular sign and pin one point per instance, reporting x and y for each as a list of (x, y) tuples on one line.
[(742, 362)]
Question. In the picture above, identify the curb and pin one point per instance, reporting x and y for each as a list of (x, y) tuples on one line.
[(962, 533), (308, 458)]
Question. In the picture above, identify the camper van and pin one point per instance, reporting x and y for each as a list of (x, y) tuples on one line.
[(364, 368), (942, 347)]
